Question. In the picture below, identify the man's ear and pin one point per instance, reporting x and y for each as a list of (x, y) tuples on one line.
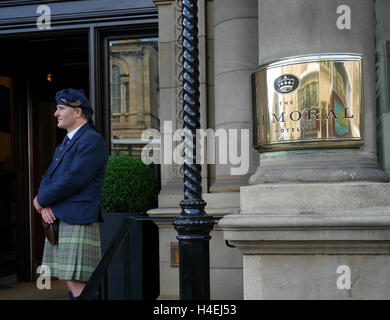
[(79, 112)]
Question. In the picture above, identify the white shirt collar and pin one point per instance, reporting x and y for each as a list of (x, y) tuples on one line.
[(73, 132)]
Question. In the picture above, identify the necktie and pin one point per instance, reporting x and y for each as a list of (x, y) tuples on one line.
[(65, 142)]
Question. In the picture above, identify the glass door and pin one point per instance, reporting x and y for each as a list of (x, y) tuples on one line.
[(131, 105), (134, 93)]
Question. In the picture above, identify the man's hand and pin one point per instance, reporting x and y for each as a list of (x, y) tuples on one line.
[(37, 205), (48, 215)]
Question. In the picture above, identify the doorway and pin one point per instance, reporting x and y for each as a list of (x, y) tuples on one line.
[(32, 70), (7, 180)]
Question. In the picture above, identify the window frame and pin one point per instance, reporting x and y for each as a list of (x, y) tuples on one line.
[(103, 97)]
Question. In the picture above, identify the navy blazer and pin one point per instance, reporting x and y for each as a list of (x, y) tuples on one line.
[(73, 183)]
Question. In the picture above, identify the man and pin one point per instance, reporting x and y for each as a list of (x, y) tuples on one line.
[(71, 192)]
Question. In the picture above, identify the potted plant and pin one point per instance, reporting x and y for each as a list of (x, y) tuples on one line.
[(129, 189)]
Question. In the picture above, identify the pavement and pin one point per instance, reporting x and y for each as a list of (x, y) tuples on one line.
[(10, 289)]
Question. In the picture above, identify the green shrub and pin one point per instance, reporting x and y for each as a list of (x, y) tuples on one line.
[(129, 185)]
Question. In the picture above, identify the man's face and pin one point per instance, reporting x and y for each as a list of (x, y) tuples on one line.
[(66, 116)]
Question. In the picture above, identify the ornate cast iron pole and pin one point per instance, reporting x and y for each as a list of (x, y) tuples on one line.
[(193, 224)]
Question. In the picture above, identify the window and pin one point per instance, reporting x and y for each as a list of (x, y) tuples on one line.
[(134, 93), (116, 90), (127, 97)]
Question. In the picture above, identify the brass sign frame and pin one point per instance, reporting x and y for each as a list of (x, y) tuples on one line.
[(312, 101)]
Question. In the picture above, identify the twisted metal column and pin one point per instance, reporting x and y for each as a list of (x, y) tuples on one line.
[(193, 224)]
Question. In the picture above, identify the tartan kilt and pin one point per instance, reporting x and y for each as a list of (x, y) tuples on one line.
[(76, 254)]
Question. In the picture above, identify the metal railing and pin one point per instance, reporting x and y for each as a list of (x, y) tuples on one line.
[(101, 273), (93, 288)]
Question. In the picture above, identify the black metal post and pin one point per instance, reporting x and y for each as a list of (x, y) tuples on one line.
[(193, 224)]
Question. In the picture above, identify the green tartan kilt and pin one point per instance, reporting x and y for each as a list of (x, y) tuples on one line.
[(76, 254)]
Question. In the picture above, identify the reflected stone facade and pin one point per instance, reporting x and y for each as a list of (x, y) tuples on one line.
[(134, 93)]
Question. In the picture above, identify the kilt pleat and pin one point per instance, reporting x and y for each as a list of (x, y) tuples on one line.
[(77, 253)]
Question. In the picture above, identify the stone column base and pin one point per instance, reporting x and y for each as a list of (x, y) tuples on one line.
[(301, 243), (225, 262)]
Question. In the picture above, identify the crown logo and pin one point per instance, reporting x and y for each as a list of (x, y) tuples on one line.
[(286, 83)]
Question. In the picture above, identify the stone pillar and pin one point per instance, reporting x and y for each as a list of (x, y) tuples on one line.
[(315, 224), (301, 27), (225, 262), (236, 56), (170, 87), (171, 177), (382, 34)]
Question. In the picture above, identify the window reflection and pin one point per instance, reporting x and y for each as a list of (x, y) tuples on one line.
[(116, 90), (134, 93)]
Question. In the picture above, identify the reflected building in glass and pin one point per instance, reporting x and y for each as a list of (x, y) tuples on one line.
[(134, 93)]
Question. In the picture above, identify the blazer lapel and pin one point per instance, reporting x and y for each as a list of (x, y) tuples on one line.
[(67, 147)]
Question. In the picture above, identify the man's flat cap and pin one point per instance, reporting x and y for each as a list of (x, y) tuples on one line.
[(75, 99)]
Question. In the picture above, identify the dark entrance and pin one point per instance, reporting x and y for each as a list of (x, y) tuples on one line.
[(32, 70), (7, 179)]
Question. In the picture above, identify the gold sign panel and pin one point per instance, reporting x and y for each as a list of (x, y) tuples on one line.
[(308, 102)]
